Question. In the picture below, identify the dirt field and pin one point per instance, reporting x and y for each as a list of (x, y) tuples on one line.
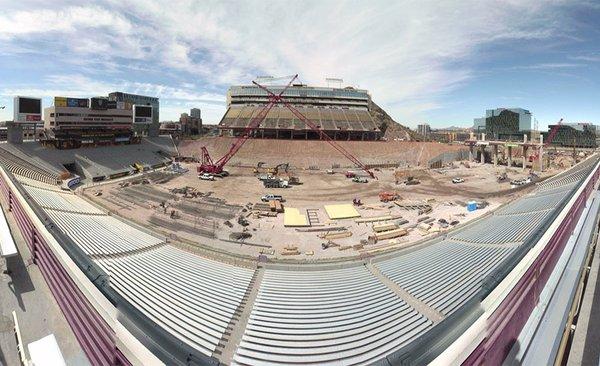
[(304, 154), (209, 217)]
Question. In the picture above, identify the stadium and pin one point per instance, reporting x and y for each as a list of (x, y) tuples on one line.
[(342, 114), (151, 265)]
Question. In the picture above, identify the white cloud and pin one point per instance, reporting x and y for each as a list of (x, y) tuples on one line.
[(405, 52)]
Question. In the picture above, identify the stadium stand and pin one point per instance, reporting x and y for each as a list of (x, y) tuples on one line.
[(444, 275), (24, 166), (342, 114), (343, 316), (62, 201), (90, 163), (191, 297), (101, 235)]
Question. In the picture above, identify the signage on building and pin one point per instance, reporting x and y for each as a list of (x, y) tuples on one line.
[(27, 109), (142, 114), (71, 102), (99, 103)]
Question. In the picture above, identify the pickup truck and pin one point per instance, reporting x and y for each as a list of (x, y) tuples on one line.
[(206, 176), (271, 197)]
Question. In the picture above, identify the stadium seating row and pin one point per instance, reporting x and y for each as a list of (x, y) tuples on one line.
[(344, 316), (23, 168), (444, 275), (191, 297), (101, 235), (63, 201), (282, 118)]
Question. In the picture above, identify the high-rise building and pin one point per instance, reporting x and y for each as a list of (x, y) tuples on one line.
[(424, 129), (134, 99), (191, 125), (195, 113), (574, 135), (504, 123)]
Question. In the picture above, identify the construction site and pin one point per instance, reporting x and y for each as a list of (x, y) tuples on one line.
[(294, 240), (323, 199)]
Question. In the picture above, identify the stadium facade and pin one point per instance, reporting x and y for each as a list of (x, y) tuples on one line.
[(342, 113)]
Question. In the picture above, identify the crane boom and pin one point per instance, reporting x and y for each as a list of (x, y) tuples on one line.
[(207, 165), (314, 127)]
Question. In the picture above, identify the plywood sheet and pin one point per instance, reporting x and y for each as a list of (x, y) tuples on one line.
[(293, 217), (343, 211)]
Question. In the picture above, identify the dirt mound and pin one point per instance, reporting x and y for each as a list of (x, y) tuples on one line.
[(306, 154)]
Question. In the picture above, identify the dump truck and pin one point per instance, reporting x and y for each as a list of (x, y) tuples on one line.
[(275, 183), (388, 196)]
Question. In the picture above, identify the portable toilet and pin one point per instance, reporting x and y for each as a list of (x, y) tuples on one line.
[(471, 206)]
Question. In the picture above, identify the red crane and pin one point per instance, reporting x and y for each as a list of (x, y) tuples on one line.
[(208, 166), (548, 141)]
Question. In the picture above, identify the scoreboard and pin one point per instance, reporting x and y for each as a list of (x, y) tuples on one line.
[(27, 109)]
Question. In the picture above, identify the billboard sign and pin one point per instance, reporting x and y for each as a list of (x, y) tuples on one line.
[(78, 102), (99, 103), (27, 109), (60, 101), (142, 114)]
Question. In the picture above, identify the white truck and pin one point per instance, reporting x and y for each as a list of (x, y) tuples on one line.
[(271, 197)]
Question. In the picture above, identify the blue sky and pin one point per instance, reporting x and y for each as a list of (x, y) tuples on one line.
[(423, 61)]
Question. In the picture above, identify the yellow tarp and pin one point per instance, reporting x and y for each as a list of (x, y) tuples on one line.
[(293, 217), (344, 211)]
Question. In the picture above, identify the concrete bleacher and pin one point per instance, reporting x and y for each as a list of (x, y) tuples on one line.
[(26, 166), (343, 316), (102, 235), (280, 117), (191, 297), (92, 162), (444, 275)]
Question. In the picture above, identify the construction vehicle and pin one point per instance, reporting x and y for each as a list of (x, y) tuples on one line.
[(137, 167), (207, 165), (411, 181), (386, 196), (360, 180), (261, 169), (272, 197), (276, 183)]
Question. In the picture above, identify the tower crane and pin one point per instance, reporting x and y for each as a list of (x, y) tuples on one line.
[(208, 166)]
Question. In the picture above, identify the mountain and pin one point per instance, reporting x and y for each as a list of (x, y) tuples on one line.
[(391, 129)]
